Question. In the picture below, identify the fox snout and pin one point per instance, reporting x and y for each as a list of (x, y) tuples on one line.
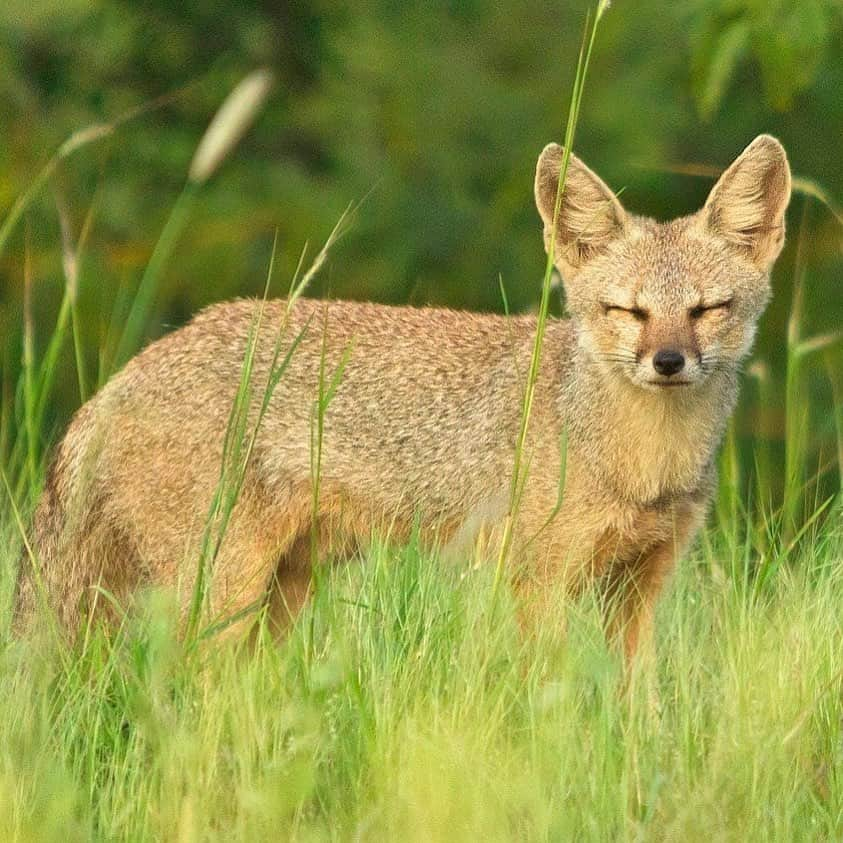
[(668, 350), (668, 361), (669, 364)]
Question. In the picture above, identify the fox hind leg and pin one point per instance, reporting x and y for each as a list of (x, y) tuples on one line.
[(289, 586)]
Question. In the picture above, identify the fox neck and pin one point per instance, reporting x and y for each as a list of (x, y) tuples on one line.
[(645, 446)]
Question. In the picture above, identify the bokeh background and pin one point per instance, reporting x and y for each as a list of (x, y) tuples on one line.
[(435, 113)]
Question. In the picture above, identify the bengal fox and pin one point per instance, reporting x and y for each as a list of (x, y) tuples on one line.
[(639, 381)]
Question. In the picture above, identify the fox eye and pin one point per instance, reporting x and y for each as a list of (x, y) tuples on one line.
[(636, 313), (702, 309)]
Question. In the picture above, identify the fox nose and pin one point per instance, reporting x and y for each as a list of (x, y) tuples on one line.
[(668, 361)]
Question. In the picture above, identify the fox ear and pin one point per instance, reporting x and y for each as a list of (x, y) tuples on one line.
[(590, 216), (746, 207)]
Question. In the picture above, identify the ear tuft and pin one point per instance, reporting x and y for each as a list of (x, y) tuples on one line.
[(590, 216), (747, 205)]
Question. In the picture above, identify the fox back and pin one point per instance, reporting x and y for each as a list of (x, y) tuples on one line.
[(363, 417)]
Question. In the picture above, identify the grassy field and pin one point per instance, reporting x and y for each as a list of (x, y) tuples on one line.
[(397, 711), (406, 703)]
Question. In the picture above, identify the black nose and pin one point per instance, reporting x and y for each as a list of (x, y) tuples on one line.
[(668, 362)]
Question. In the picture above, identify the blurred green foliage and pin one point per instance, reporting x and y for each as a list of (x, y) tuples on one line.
[(435, 112)]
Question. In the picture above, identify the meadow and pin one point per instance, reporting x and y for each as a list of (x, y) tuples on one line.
[(407, 703), (397, 711)]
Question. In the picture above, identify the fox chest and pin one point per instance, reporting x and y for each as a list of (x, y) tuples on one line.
[(591, 534)]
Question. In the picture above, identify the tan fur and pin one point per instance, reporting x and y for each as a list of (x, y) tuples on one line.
[(424, 420)]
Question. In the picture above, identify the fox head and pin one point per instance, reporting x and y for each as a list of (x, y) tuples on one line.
[(666, 305)]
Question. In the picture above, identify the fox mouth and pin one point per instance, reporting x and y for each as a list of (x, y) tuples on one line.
[(670, 383)]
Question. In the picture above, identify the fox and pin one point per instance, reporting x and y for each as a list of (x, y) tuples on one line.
[(631, 398)]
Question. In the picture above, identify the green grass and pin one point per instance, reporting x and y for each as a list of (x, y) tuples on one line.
[(405, 717)]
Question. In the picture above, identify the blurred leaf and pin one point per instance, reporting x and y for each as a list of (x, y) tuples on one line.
[(790, 46), (719, 66), (788, 41)]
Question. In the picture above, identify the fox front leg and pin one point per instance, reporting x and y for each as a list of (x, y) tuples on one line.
[(631, 598), (633, 589)]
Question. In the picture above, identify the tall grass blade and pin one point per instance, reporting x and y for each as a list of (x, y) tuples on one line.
[(239, 440), (142, 303), (229, 124), (796, 409), (232, 120), (78, 140), (29, 395), (835, 377), (72, 256), (519, 474)]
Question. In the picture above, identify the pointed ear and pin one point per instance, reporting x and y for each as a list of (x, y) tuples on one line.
[(590, 216), (746, 207)]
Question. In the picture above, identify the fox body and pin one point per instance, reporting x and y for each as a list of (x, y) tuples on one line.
[(635, 388)]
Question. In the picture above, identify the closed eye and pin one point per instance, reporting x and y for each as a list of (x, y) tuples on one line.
[(635, 312), (701, 309)]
